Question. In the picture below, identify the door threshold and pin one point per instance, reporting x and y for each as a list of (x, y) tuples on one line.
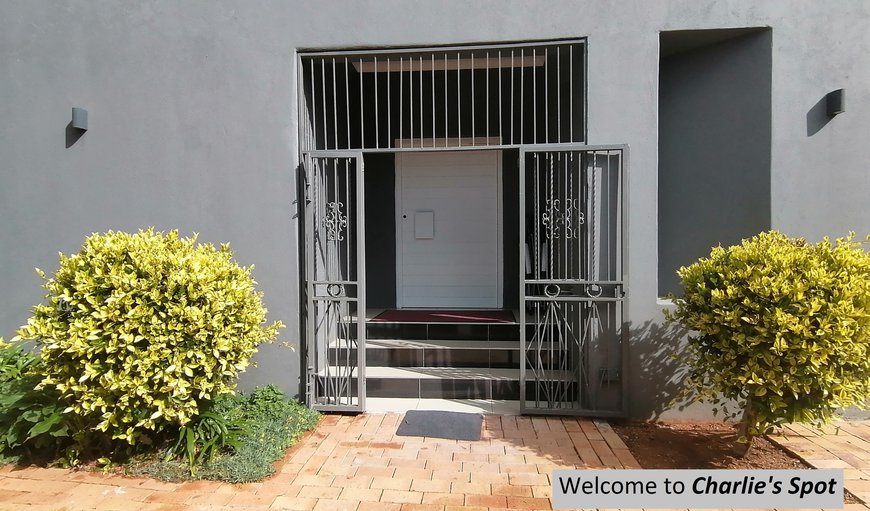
[(402, 405)]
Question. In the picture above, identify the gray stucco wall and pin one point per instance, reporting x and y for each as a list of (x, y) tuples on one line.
[(192, 126), (714, 148)]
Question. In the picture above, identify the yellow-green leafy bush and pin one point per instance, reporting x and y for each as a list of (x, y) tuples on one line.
[(139, 329), (780, 325)]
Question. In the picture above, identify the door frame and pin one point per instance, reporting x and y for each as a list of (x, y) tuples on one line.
[(399, 171)]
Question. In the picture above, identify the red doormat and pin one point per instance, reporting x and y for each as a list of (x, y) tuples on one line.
[(446, 316)]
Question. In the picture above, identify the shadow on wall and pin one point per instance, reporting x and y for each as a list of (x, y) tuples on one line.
[(73, 135), (659, 373), (817, 117)]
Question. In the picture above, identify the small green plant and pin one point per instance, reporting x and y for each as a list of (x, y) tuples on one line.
[(31, 421), (139, 329), (271, 424), (780, 326), (207, 434)]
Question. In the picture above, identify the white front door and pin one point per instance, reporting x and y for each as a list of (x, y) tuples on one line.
[(448, 230)]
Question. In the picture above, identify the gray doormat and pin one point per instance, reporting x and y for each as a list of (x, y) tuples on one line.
[(434, 424)]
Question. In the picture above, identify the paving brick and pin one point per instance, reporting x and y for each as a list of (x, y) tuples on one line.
[(489, 478), (378, 506), (509, 490), (336, 505), (471, 488), (361, 494), (523, 479), (428, 485), (443, 498), (422, 507), (528, 503), (389, 483), (319, 492), (402, 497), (449, 475), (250, 499), (293, 503), (486, 500)]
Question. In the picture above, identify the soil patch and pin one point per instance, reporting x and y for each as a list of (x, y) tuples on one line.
[(707, 445), (704, 445)]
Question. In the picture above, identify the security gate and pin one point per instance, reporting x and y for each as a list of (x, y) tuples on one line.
[(572, 200), (335, 280)]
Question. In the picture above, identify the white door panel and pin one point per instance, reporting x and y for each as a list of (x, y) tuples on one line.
[(449, 229)]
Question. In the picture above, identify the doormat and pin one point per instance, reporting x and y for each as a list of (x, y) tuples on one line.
[(435, 424), (446, 316)]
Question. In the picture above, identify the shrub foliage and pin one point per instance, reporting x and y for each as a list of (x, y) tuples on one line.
[(32, 421), (780, 325), (262, 424), (139, 329)]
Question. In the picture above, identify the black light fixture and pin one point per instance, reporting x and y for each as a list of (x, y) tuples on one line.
[(79, 119), (835, 102)]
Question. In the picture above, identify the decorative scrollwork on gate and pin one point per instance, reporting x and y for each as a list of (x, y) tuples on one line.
[(558, 217), (335, 221)]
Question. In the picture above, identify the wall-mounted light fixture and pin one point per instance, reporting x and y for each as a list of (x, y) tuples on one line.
[(79, 119), (836, 102)]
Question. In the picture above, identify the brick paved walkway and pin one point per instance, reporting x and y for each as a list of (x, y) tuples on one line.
[(843, 445), (357, 463)]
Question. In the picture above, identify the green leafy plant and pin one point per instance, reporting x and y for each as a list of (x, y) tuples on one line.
[(31, 421), (207, 434), (781, 326), (139, 329), (271, 423)]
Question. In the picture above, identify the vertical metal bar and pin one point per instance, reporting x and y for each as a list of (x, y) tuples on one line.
[(521, 165), (522, 94), (401, 102), (421, 101), (558, 94), (310, 367), (347, 98), (389, 104), (571, 90), (567, 201), (500, 105), (313, 107), (458, 102), (361, 281), (487, 98), (362, 109), (513, 141), (546, 96), (534, 97), (323, 88), (411, 99), (446, 85), (377, 112), (472, 98), (433, 100), (348, 368), (334, 106)]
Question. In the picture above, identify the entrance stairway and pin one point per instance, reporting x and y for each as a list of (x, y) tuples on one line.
[(456, 360)]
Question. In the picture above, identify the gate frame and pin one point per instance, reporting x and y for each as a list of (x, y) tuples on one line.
[(623, 336), (311, 283)]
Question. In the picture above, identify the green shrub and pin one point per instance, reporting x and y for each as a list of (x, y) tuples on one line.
[(138, 329), (32, 422), (270, 424), (781, 326)]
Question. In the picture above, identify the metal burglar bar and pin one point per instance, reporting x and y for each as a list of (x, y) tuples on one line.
[(572, 202), (442, 98), (335, 277)]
